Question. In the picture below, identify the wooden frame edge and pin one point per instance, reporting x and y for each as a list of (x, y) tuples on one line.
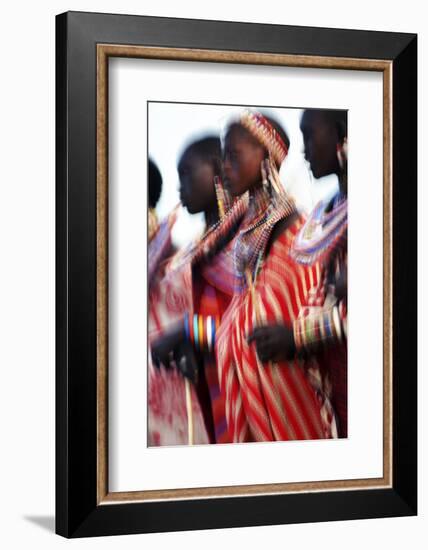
[(102, 271)]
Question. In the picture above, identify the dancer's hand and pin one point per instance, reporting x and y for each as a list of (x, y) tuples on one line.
[(164, 347), (172, 346), (273, 342), (186, 361)]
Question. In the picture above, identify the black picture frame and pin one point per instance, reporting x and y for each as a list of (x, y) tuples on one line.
[(78, 511)]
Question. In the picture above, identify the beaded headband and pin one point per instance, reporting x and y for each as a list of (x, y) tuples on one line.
[(263, 131)]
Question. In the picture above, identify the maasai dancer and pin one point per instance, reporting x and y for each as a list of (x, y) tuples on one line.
[(265, 400), (321, 329), (167, 415), (159, 234), (196, 288)]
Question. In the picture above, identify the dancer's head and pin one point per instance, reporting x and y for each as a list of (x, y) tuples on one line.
[(199, 163), (325, 139), (248, 142)]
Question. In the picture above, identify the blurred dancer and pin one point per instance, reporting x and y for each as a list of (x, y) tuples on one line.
[(165, 392), (159, 234), (321, 329), (265, 400), (198, 285)]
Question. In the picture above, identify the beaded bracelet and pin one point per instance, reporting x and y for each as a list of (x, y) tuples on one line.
[(311, 331), (201, 330)]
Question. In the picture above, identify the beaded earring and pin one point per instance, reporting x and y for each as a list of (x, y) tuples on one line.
[(222, 202), (342, 153), (264, 174)]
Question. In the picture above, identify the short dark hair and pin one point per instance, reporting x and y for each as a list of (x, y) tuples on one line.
[(338, 118), (208, 149), (155, 184)]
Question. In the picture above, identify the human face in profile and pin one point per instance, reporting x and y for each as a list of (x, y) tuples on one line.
[(242, 158), (197, 192), (321, 139)]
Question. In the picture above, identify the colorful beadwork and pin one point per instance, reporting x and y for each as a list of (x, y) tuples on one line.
[(316, 329), (322, 232), (201, 330), (265, 133), (267, 206)]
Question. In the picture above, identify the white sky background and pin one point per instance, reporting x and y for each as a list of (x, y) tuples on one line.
[(173, 126)]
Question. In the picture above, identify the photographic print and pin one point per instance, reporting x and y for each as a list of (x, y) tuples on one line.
[(247, 274)]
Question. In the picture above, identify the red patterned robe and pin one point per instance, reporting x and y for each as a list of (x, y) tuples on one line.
[(180, 288), (213, 285), (169, 298), (323, 241), (333, 358), (270, 401)]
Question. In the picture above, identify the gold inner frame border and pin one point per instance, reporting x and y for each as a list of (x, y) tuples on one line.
[(104, 52)]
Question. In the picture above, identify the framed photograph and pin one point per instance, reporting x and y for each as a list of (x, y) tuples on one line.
[(236, 274)]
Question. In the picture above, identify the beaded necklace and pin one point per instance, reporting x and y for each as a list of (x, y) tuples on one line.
[(207, 246), (322, 232), (269, 204)]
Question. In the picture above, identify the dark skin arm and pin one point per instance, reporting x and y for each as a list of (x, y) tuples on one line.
[(163, 348), (273, 342), (276, 342), (172, 346)]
